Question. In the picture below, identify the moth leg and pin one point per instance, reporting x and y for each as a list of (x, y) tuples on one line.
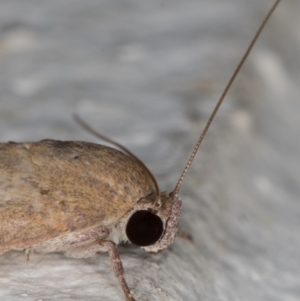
[(27, 253), (85, 251), (184, 235), (75, 244), (117, 267)]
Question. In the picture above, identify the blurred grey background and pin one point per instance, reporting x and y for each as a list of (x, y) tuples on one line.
[(147, 74)]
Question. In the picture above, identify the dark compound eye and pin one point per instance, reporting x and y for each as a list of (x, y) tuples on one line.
[(144, 228)]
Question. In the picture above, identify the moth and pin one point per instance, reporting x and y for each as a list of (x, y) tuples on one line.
[(82, 198)]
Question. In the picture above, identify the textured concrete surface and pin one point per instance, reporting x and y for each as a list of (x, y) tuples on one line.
[(147, 73)]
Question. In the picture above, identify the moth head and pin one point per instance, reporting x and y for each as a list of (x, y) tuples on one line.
[(154, 226)]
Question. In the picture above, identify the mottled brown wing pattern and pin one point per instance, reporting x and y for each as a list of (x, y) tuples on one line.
[(49, 188)]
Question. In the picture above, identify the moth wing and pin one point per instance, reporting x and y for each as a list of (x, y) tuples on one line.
[(50, 188)]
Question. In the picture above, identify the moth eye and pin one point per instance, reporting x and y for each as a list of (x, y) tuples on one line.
[(144, 228)]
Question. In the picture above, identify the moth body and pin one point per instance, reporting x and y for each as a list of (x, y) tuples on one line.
[(71, 196)]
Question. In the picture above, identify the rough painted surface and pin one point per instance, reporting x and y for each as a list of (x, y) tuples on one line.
[(147, 74)]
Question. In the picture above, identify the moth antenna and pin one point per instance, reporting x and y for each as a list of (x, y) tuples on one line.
[(118, 145), (212, 116)]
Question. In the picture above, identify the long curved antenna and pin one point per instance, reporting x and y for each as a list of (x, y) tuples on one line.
[(212, 116), (118, 145)]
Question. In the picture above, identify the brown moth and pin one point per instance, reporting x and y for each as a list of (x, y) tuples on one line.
[(62, 197)]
